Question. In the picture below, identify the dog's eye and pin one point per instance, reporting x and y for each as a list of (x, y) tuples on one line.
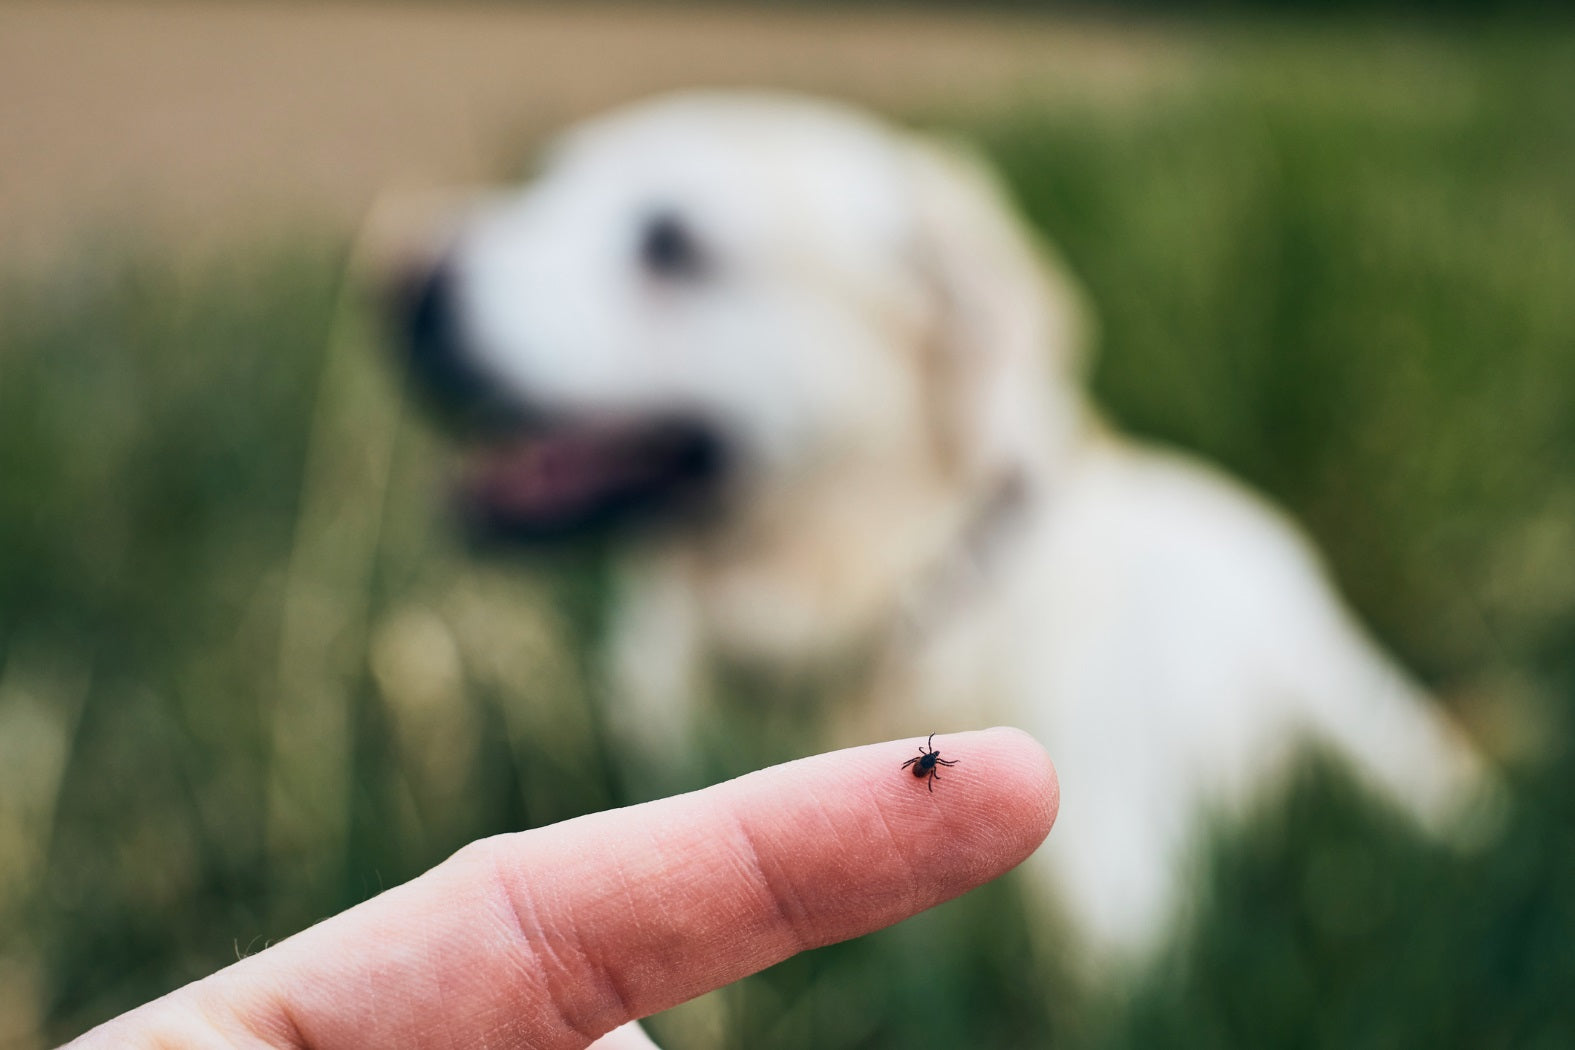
[(669, 250)]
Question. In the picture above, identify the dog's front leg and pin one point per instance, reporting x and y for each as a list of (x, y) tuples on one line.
[(652, 668)]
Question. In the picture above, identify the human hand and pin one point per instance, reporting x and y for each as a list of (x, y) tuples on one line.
[(554, 937)]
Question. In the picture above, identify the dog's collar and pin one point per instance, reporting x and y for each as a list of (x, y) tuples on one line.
[(966, 566)]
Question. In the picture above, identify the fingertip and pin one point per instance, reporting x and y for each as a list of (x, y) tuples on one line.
[(992, 808), (1017, 784), (1035, 772)]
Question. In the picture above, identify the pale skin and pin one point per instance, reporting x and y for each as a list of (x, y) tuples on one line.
[(564, 936)]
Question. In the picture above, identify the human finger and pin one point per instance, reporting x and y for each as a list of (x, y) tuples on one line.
[(554, 937)]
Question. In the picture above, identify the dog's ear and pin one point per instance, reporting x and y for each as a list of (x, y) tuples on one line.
[(1008, 328)]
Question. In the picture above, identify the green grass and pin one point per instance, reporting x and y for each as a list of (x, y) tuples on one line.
[(1343, 266)]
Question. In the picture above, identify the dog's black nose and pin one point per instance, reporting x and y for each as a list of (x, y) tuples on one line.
[(438, 355), (434, 339)]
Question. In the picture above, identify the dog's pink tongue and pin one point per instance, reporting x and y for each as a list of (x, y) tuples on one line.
[(539, 478), (561, 474)]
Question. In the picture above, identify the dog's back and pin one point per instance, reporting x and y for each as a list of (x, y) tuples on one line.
[(1176, 644)]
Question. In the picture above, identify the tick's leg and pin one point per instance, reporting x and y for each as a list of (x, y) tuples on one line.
[(943, 762), (908, 763)]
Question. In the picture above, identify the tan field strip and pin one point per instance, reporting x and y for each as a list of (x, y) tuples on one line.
[(191, 122)]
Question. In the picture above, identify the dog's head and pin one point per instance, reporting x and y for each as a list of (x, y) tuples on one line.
[(712, 292)]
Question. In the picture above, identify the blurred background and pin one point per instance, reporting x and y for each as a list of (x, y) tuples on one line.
[(249, 676)]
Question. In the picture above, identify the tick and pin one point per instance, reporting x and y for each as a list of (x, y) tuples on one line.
[(924, 765)]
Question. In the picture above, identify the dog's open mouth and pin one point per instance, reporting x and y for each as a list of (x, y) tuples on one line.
[(582, 476)]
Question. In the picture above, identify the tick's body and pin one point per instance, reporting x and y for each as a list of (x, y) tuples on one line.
[(924, 765)]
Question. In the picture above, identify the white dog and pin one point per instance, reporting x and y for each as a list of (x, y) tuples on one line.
[(830, 356)]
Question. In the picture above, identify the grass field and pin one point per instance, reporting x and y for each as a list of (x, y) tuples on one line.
[(249, 678)]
